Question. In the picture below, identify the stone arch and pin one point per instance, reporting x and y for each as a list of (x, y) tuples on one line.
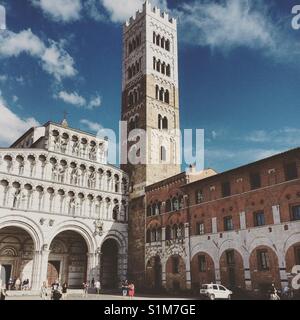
[(27, 225), (202, 269), (78, 227), (291, 250), (232, 267)]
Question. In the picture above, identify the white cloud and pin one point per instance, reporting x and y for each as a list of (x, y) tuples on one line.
[(77, 100), (53, 58), (121, 10), (93, 126), (72, 98), (60, 10), (12, 126), (95, 102), (227, 24)]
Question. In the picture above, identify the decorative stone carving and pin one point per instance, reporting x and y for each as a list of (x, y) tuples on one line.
[(98, 227)]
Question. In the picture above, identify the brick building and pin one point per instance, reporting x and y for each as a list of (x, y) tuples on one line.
[(240, 228)]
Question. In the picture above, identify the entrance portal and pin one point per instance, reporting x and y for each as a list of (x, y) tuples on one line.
[(109, 264), (68, 259)]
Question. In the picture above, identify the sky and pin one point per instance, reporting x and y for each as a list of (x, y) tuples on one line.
[(239, 71)]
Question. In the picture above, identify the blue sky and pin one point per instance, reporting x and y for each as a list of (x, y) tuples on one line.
[(239, 70)]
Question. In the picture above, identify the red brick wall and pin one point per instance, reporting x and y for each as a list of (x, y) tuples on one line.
[(179, 277), (261, 278), (199, 278)]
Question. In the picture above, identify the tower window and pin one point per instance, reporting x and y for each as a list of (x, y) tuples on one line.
[(296, 213), (167, 96), (226, 189), (259, 219), (168, 45), (175, 264), (161, 94), (165, 123), (162, 43), (163, 153), (154, 63), (228, 224), (159, 121), (158, 40), (168, 72), (154, 37)]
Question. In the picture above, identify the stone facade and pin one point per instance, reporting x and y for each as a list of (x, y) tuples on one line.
[(59, 203)]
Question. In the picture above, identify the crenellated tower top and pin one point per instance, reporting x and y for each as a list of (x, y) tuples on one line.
[(155, 12)]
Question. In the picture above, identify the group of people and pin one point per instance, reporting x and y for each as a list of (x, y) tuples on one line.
[(94, 284), (55, 292), (128, 289), (18, 285)]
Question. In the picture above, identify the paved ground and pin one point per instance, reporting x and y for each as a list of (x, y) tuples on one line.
[(94, 297)]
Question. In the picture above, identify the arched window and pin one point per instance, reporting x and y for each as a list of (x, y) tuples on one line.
[(168, 233), (165, 123), (167, 45), (174, 232), (149, 211), (168, 70), (161, 94), (156, 92), (136, 122), (153, 235), (180, 200), (163, 153), (148, 236), (154, 209), (130, 99), (163, 43), (133, 70), (130, 47), (175, 204), (168, 205), (154, 37), (158, 40), (158, 66), (163, 68), (158, 208), (135, 96), (154, 63), (167, 96), (159, 121), (133, 44), (158, 234), (129, 71)]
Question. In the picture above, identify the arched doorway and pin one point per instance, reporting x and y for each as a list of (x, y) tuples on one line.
[(232, 269), (109, 264), (264, 268), (68, 259), (154, 273), (202, 270), (16, 255), (175, 273)]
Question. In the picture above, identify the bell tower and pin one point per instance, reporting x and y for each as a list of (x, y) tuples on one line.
[(150, 101)]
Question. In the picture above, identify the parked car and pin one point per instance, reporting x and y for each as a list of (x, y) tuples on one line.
[(215, 291)]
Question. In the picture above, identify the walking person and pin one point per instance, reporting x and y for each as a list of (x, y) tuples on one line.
[(65, 291), (98, 286), (131, 291), (125, 288), (18, 284), (85, 289), (3, 293), (93, 283), (44, 291)]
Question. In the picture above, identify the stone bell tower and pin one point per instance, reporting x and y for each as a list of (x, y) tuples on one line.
[(150, 101)]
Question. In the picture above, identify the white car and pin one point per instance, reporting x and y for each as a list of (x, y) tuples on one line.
[(215, 291)]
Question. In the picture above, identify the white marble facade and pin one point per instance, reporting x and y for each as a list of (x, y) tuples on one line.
[(55, 179)]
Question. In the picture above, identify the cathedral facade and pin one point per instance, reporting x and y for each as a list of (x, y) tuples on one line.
[(63, 209)]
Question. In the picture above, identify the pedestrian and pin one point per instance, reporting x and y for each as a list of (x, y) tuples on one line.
[(93, 283), (131, 291), (3, 293), (18, 284), (10, 284), (56, 295), (44, 291), (125, 288), (65, 291), (98, 286), (274, 293), (85, 289)]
